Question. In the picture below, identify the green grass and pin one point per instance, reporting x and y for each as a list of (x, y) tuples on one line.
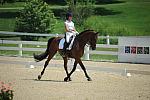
[(99, 57), (7, 19), (14, 52), (11, 53), (9, 45), (7, 24), (96, 57), (129, 18), (107, 49)]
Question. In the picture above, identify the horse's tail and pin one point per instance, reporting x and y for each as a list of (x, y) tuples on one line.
[(45, 54)]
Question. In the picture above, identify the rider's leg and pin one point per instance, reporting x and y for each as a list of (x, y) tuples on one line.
[(71, 43), (67, 36), (65, 47)]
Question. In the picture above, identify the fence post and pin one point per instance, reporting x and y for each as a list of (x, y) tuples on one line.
[(108, 40), (86, 54), (20, 47)]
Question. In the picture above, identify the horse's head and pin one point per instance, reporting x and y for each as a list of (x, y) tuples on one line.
[(93, 39), (88, 37)]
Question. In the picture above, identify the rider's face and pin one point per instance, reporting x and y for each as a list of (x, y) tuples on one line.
[(70, 18)]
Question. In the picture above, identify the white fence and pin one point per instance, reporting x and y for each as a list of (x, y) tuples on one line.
[(20, 44)]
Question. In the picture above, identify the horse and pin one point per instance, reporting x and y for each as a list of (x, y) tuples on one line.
[(77, 51)]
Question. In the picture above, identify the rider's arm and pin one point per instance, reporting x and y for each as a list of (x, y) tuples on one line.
[(67, 28)]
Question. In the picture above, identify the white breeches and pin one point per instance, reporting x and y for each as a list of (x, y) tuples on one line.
[(68, 35)]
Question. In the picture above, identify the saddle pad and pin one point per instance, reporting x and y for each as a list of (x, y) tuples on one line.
[(62, 41)]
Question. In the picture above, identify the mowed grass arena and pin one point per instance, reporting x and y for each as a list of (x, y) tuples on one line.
[(105, 86)]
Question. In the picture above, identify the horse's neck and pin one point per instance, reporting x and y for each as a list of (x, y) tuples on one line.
[(83, 39)]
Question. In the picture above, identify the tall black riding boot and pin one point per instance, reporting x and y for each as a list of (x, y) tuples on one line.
[(64, 49)]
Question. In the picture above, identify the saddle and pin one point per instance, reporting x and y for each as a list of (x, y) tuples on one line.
[(69, 45)]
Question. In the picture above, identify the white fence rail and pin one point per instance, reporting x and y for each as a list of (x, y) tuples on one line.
[(20, 48)]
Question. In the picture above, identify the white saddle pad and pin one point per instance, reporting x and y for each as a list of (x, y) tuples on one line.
[(62, 41)]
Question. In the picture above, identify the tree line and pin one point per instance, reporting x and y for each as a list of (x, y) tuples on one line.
[(37, 17), (61, 1)]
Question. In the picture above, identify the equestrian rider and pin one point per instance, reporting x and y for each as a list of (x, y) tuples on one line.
[(70, 31)]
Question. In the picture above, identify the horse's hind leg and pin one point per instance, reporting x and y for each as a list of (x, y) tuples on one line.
[(46, 63)]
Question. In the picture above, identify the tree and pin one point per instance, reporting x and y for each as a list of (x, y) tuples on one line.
[(36, 17), (81, 9), (9, 1)]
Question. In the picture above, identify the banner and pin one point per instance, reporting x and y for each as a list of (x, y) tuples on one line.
[(134, 49)]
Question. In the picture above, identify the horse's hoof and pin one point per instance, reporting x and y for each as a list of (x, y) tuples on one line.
[(70, 79), (89, 79), (66, 79), (39, 77)]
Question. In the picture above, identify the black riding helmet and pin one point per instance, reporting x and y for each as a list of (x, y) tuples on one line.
[(69, 14)]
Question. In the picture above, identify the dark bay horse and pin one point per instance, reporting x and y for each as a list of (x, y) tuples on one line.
[(77, 51)]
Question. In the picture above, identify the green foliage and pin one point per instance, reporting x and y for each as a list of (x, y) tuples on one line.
[(21, 0), (36, 17), (15, 5), (8, 1), (81, 9), (104, 26), (108, 1), (129, 18), (11, 1), (59, 27), (56, 2), (134, 17)]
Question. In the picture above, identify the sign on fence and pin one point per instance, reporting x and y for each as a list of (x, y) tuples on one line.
[(134, 49)]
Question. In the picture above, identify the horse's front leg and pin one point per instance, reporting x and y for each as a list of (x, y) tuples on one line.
[(74, 68), (84, 69), (66, 69)]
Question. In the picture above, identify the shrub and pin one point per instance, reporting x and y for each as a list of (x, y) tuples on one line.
[(6, 92), (81, 9), (36, 17)]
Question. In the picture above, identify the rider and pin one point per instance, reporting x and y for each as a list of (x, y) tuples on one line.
[(70, 30)]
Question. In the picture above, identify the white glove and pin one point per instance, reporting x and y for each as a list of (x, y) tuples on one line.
[(76, 33)]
